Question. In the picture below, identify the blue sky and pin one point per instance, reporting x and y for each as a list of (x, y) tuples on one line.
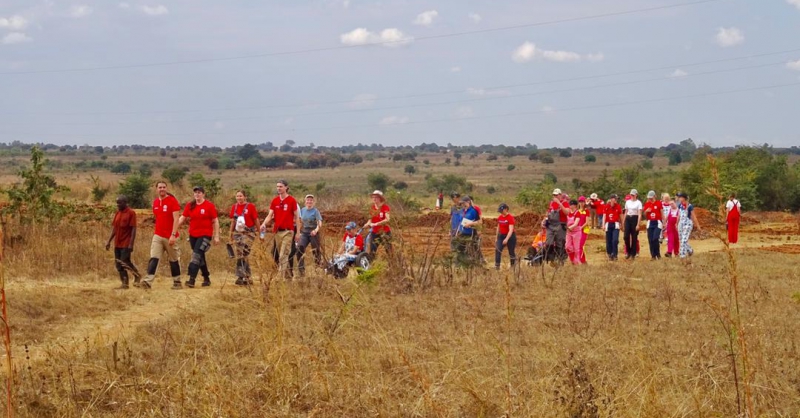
[(456, 82)]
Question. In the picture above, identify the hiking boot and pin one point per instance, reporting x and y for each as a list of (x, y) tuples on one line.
[(176, 285), (143, 285), (122, 286), (206, 283), (240, 282), (190, 283), (137, 284)]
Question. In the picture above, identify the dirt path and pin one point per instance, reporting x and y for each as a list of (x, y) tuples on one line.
[(159, 303)]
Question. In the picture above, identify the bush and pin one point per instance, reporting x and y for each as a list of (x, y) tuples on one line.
[(550, 178), (511, 167), (410, 169), (590, 158), (400, 185), (121, 168), (173, 175), (33, 200), (565, 153), (547, 159), (135, 188), (211, 186), (533, 156), (211, 163), (450, 183), (491, 190), (378, 181), (647, 164), (426, 162), (99, 191), (491, 157)]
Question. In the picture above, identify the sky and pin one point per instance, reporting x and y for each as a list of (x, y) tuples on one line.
[(555, 73)]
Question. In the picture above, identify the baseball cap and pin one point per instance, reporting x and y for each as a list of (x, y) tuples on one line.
[(582, 199), (556, 191), (573, 202), (310, 195), (502, 207), (613, 196), (593, 196), (350, 225), (682, 194), (634, 192), (454, 195), (199, 189), (651, 193)]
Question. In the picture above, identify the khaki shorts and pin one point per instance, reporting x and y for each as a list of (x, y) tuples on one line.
[(160, 245)]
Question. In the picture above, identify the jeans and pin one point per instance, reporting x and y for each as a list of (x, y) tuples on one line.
[(631, 235), (653, 235), (380, 238), (122, 261), (498, 249), (612, 241), (307, 239), (200, 245)]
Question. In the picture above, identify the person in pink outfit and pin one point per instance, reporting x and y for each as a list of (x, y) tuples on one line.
[(671, 231), (576, 221)]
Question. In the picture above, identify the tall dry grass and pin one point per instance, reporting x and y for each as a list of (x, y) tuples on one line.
[(623, 339)]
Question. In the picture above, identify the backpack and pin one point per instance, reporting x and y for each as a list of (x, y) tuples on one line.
[(241, 224)]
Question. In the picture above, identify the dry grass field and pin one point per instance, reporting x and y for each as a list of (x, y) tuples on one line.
[(717, 337)]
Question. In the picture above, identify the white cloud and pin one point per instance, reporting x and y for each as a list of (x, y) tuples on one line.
[(548, 109), (727, 37), (157, 10), (219, 125), (288, 121), (524, 52), (426, 18), (678, 73), (80, 10), (472, 91), (124, 5), (795, 3), (455, 69), (390, 37), (394, 120), (793, 65), (595, 57), (528, 52), (363, 101), (465, 112), (346, 4), (15, 22), (561, 56), (16, 38), (477, 18)]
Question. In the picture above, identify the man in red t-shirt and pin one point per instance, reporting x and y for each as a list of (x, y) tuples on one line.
[(654, 213), (286, 213), (166, 211), (506, 236), (123, 233)]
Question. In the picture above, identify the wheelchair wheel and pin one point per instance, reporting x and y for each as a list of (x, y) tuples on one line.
[(363, 261)]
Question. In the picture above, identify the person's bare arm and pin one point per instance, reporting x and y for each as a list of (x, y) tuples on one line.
[(133, 238), (216, 230), (269, 217)]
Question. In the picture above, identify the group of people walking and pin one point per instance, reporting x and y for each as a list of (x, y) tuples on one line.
[(294, 229), (568, 223), (563, 234)]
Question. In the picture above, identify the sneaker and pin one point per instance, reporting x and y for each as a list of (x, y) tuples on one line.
[(122, 286), (190, 283), (177, 285), (144, 285), (137, 284), (239, 281), (206, 283)]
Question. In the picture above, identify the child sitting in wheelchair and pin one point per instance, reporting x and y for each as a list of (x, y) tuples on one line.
[(351, 249)]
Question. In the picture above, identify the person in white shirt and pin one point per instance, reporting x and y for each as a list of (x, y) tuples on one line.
[(633, 218)]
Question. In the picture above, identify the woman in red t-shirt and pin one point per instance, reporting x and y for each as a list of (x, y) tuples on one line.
[(203, 230), (379, 222), (506, 237), (244, 218)]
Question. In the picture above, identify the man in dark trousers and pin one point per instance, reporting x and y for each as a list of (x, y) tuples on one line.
[(123, 233)]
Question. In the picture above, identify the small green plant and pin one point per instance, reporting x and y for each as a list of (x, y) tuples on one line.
[(590, 158), (33, 199), (99, 191), (135, 188), (511, 167), (378, 181)]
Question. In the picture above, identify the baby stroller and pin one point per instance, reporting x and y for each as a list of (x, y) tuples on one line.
[(339, 266)]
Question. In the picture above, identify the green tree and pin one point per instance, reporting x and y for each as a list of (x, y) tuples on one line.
[(247, 151), (547, 159), (449, 182), (33, 199), (565, 153), (410, 170), (135, 188), (174, 175), (213, 186), (378, 181), (590, 158), (511, 167)]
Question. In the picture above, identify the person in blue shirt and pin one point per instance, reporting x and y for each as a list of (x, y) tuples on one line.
[(467, 251), (456, 215)]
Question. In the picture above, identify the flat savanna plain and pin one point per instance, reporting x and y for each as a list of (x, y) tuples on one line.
[(419, 339)]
